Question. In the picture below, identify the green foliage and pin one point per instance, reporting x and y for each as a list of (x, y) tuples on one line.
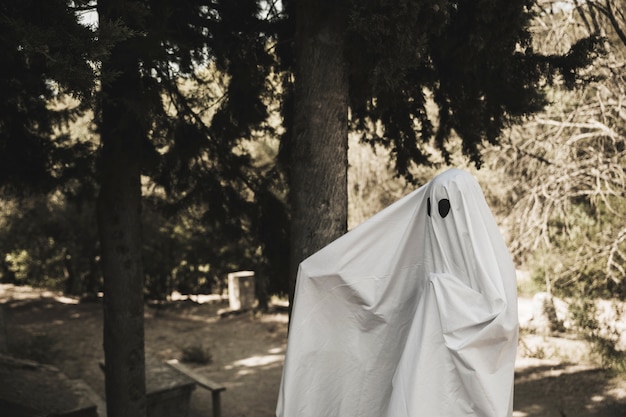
[(601, 333), (571, 262), (44, 52), (196, 353), (181, 253), (571, 220), (205, 72), (566, 207), (205, 91), (473, 59), (564, 169), (52, 243), (193, 151)]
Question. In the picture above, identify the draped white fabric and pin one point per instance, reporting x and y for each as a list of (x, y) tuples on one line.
[(412, 313)]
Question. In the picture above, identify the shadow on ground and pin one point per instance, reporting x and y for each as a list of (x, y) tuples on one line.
[(568, 391)]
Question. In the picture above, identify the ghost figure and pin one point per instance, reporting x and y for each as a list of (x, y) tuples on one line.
[(412, 313)]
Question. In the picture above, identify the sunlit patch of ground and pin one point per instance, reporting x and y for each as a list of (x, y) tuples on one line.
[(17, 293)]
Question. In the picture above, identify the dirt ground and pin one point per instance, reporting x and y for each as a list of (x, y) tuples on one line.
[(553, 377)]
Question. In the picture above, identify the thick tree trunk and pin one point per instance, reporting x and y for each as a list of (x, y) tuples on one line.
[(319, 164), (119, 224)]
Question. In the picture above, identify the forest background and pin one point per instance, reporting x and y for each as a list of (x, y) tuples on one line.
[(555, 179)]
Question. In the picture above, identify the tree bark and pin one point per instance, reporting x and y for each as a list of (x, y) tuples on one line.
[(319, 151), (119, 223)]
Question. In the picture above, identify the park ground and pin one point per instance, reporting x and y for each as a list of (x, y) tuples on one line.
[(554, 375)]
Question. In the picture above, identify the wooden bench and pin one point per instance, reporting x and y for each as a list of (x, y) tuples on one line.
[(162, 394), (204, 382)]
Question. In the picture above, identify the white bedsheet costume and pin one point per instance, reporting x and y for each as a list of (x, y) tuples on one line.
[(411, 314)]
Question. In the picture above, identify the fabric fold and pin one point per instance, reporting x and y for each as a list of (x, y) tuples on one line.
[(411, 314)]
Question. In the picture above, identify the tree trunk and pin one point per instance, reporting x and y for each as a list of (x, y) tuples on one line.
[(319, 164), (119, 223)]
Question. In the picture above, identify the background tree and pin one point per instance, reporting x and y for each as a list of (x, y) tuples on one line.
[(46, 84), (567, 164), (148, 125), (50, 242), (43, 50), (319, 148), (124, 128)]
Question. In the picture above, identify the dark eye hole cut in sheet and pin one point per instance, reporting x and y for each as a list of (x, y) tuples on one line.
[(443, 207)]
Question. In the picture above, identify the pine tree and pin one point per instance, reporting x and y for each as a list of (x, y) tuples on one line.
[(157, 45), (43, 49), (472, 60)]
